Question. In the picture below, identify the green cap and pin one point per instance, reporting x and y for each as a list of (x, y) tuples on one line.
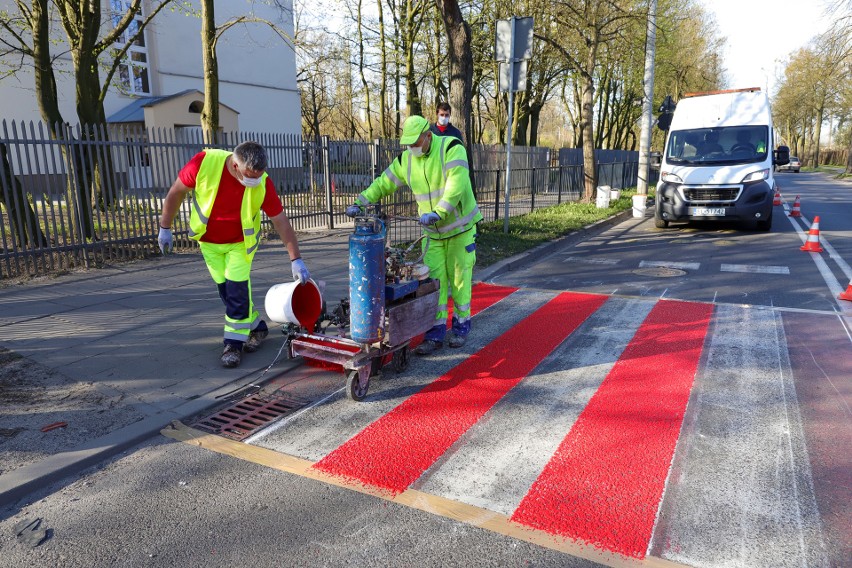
[(412, 128)]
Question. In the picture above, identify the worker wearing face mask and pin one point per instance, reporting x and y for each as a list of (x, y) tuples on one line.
[(443, 126), (436, 170), (229, 189)]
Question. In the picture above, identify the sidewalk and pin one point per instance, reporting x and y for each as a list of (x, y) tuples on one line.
[(118, 353)]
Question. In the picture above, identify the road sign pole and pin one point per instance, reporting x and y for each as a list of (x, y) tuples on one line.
[(509, 129)]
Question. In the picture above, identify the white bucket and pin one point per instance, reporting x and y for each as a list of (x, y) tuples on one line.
[(294, 303), (602, 200), (639, 202), (614, 194)]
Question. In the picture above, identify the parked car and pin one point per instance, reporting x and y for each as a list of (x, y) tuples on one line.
[(794, 166)]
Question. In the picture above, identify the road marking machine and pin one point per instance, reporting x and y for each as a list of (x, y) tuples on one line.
[(391, 302)]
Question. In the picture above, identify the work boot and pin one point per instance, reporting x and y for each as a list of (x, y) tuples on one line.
[(231, 356), (255, 338), (428, 347), (457, 340)]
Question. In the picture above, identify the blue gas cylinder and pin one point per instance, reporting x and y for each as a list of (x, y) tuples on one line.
[(367, 281)]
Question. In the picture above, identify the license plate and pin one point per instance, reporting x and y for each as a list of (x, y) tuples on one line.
[(707, 211)]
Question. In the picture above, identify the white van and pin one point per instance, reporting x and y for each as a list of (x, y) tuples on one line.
[(718, 162)]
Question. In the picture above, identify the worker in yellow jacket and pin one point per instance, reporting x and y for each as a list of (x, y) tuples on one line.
[(436, 169)]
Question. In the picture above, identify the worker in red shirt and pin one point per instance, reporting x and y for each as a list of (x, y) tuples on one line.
[(229, 191)]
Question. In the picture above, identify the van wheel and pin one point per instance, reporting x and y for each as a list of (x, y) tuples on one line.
[(659, 222), (765, 225)]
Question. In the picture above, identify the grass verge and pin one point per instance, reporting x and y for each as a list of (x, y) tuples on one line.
[(540, 226)]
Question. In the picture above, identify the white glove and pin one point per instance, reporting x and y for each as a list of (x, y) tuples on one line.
[(165, 240), (300, 271)]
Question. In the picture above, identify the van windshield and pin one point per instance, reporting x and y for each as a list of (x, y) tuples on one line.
[(720, 145)]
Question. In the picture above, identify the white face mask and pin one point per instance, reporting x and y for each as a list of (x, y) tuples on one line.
[(443, 120), (250, 182), (416, 151)]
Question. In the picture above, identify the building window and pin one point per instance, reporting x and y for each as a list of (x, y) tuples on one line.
[(133, 70)]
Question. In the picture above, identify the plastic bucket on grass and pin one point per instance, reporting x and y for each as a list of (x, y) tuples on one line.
[(293, 303), (602, 200)]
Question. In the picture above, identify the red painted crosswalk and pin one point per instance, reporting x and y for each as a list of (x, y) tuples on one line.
[(394, 451), (605, 481)]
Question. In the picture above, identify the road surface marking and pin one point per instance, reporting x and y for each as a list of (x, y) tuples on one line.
[(827, 275), (605, 482), (586, 260), (392, 452), (755, 268), (432, 504), (666, 264)]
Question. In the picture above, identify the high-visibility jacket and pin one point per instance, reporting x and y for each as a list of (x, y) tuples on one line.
[(206, 188), (440, 182)]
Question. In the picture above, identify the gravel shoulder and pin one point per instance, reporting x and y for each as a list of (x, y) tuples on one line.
[(33, 397)]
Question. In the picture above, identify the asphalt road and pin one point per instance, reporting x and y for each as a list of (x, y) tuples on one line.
[(759, 476)]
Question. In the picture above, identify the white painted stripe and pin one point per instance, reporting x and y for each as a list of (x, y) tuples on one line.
[(755, 268), (586, 260), (741, 467), (832, 254), (667, 264), (497, 460), (827, 275)]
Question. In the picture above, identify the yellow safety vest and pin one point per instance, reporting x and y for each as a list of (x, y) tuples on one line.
[(440, 183), (204, 195)]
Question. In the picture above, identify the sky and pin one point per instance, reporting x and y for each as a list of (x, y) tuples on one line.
[(761, 34)]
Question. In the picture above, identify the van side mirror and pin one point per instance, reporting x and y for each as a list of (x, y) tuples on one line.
[(656, 159), (782, 156)]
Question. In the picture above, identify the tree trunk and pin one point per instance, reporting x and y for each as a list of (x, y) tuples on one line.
[(45, 80), (590, 174), (817, 134), (363, 76), (535, 120), (412, 96), (22, 218), (210, 112), (459, 39), (383, 88)]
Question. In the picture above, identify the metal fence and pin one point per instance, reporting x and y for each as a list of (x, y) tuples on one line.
[(87, 196)]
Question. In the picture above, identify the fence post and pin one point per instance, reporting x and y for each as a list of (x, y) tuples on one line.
[(374, 157), (497, 197), (532, 197), (326, 170), (559, 187)]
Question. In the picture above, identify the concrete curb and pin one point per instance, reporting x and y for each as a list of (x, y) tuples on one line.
[(17, 484), (526, 258)]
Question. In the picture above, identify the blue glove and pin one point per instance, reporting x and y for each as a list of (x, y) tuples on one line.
[(429, 218), (353, 210), (300, 271), (165, 240)]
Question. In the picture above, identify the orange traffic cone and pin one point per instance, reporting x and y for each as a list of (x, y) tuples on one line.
[(777, 200), (847, 295), (812, 244), (797, 208)]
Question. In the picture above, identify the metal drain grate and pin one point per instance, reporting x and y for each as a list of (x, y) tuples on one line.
[(247, 416)]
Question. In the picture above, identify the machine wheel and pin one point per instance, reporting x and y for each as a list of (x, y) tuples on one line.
[(353, 387), (401, 359)]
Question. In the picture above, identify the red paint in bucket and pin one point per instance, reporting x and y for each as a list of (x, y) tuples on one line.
[(307, 304)]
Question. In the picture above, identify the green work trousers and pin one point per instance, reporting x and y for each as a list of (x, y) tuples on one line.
[(451, 261), (231, 271)]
